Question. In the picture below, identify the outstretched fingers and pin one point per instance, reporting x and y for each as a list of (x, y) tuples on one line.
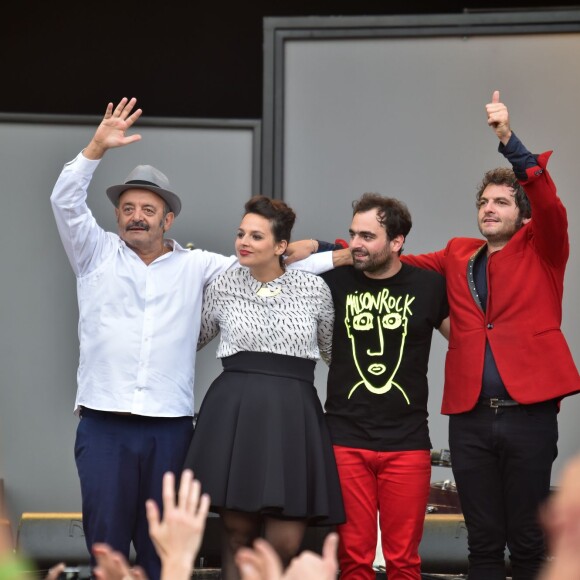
[(189, 497), (125, 108), (179, 534), (112, 131)]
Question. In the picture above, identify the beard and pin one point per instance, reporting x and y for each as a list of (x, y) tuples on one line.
[(504, 235), (375, 263)]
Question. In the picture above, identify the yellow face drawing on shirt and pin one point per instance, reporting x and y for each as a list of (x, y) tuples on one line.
[(376, 324)]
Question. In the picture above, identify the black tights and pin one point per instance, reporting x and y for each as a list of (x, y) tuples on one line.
[(241, 529)]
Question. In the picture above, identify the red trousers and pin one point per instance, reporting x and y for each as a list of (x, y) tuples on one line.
[(396, 485)]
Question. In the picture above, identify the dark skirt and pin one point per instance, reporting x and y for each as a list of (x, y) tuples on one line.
[(261, 444)]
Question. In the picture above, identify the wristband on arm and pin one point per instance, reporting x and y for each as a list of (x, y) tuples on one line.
[(329, 246)]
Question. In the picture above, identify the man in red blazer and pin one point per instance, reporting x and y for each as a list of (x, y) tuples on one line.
[(508, 364)]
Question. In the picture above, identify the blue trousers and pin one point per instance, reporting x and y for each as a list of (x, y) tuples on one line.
[(121, 460), (502, 463)]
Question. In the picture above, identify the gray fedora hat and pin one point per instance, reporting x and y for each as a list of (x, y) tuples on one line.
[(147, 177)]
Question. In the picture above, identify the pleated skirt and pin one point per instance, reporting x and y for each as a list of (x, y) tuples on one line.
[(261, 444)]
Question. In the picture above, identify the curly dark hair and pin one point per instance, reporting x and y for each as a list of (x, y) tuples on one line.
[(393, 214), (505, 176)]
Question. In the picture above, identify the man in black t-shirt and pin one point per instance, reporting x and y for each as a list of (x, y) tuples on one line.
[(376, 404)]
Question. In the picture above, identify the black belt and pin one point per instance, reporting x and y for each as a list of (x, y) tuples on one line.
[(88, 412), (496, 403)]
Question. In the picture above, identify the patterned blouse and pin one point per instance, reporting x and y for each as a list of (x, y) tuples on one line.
[(291, 315)]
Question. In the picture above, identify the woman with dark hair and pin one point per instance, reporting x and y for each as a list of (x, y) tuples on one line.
[(261, 448)]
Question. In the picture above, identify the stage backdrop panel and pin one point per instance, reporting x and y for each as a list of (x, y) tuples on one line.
[(396, 105), (214, 165)]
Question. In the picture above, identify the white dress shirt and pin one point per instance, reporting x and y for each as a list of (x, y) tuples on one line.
[(138, 324)]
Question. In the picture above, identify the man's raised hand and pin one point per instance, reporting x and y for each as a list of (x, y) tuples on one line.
[(113, 128), (498, 118)]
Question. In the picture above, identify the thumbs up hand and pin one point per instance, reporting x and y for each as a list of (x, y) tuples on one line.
[(498, 118)]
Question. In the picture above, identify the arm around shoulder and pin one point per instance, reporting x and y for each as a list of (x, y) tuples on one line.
[(315, 263)]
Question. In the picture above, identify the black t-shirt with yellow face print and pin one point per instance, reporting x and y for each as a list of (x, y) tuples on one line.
[(377, 382)]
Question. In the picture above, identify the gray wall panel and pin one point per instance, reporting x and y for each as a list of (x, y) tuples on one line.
[(405, 116), (211, 164)]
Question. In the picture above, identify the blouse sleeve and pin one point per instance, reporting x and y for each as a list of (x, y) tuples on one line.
[(209, 328), (325, 323)]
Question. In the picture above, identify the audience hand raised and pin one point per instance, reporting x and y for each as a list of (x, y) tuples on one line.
[(112, 565), (262, 563), (178, 536)]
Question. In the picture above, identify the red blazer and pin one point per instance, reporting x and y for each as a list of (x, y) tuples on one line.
[(524, 310)]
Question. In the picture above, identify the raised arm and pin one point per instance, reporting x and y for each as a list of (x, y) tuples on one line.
[(84, 240), (549, 222), (510, 146)]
